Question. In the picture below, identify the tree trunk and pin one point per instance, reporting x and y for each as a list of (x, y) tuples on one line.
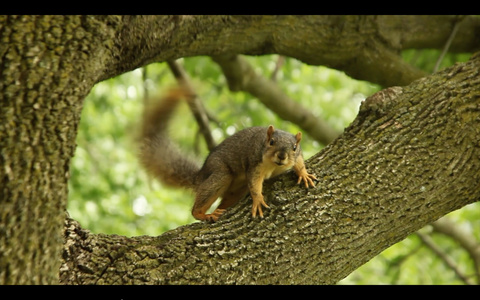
[(46, 72), (404, 162), (411, 156)]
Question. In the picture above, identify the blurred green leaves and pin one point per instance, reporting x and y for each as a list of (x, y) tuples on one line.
[(110, 193)]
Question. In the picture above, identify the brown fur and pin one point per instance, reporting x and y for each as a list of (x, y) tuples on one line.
[(235, 167)]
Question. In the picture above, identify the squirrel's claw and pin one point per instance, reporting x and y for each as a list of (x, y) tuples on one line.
[(307, 179), (258, 202)]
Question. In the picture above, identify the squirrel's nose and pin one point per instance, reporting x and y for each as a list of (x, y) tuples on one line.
[(282, 155)]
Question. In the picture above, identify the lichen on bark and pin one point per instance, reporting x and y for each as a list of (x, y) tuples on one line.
[(44, 79)]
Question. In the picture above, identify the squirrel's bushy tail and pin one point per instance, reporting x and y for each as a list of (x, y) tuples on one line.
[(158, 154)]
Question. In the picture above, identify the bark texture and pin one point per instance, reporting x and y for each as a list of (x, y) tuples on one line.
[(411, 156), (46, 68), (365, 47), (49, 63)]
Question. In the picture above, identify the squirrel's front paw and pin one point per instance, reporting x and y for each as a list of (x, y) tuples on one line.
[(258, 202), (306, 178)]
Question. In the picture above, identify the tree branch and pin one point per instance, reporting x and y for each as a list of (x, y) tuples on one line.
[(365, 47), (196, 106), (428, 241), (405, 161), (447, 227), (242, 77), (431, 32), (448, 43)]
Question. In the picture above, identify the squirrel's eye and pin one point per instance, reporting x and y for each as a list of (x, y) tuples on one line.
[(294, 147), (272, 142)]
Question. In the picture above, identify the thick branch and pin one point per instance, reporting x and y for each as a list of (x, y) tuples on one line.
[(44, 77), (411, 156), (427, 32), (365, 47)]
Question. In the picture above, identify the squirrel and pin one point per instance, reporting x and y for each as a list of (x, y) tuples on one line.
[(232, 169)]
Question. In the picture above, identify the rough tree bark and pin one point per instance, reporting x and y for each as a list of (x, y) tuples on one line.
[(45, 73), (411, 156), (365, 47), (402, 164)]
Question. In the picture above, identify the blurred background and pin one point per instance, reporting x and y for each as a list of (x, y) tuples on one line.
[(110, 193)]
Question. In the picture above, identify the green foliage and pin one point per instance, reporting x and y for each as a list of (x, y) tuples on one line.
[(110, 193), (411, 262), (426, 59)]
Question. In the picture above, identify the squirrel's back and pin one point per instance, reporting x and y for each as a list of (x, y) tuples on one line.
[(249, 140)]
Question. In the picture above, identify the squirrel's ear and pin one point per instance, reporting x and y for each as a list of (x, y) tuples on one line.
[(270, 132), (298, 137)]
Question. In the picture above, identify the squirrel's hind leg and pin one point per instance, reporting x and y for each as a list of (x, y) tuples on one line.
[(206, 194)]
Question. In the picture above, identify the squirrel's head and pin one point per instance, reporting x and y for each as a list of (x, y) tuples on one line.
[(282, 148)]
